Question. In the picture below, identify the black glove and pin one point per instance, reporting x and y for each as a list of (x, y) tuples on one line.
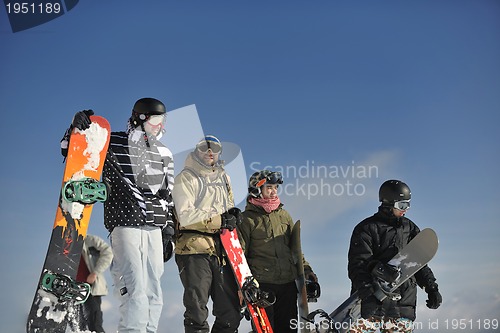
[(231, 219), (434, 298), (386, 272), (228, 221), (167, 235), (236, 212), (81, 120), (165, 194)]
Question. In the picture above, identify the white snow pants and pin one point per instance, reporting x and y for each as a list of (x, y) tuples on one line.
[(136, 269)]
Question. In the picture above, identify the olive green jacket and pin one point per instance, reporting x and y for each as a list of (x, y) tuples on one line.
[(201, 193), (265, 239)]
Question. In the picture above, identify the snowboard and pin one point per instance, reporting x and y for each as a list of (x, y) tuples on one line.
[(57, 291), (303, 324), (256, 300), (414, 256)]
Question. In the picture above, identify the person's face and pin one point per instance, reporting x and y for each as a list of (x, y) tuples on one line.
[(209, 154), (154, 124), (269, 191), (398, 212), (400, 208)]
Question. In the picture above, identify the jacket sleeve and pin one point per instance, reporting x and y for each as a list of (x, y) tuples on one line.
[(105, 253), (169, 167), (244, 233), (307, 266), (425, 277), (65, 141), (360, 253)]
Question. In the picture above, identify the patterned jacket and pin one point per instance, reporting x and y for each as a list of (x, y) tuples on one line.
[(139, 170)]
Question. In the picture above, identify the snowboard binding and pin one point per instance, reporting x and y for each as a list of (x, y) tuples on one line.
[(85, 191), (320, 326), (386, 278), (65, 288), (385, 289), (254, 295), (313, 291)]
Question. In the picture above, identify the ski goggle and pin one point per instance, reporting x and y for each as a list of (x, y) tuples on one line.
[(272, 178), (156, 120), (275, 178), (402, 205), (206, 145)]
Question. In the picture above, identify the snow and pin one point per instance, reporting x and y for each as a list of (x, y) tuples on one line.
[(96, 138), (396, 261), (47, 301), (411, 264)]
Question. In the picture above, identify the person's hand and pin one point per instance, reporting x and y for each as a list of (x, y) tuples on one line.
[(434, 298), (168, 243), (231, 218), (228, 221), (81, 120), (91, 278), (309, 274), (236, 212)]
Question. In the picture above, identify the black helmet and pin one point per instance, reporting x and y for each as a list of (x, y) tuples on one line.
[(149, 106), (146, 107), (392, 191)]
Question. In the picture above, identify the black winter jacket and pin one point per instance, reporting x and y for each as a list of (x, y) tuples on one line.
[(379, 238)]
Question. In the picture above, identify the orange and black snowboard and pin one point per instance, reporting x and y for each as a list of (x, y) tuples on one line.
[(57, 291)]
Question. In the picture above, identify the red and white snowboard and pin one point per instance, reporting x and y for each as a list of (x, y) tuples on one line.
[(245, 280)]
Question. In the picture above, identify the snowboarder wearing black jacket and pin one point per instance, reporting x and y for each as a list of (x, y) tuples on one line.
[(374, 242)]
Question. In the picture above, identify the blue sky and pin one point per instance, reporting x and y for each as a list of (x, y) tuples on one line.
[(409, 88)]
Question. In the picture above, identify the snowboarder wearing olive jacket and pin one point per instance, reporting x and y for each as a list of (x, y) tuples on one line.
[(265, 234)]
